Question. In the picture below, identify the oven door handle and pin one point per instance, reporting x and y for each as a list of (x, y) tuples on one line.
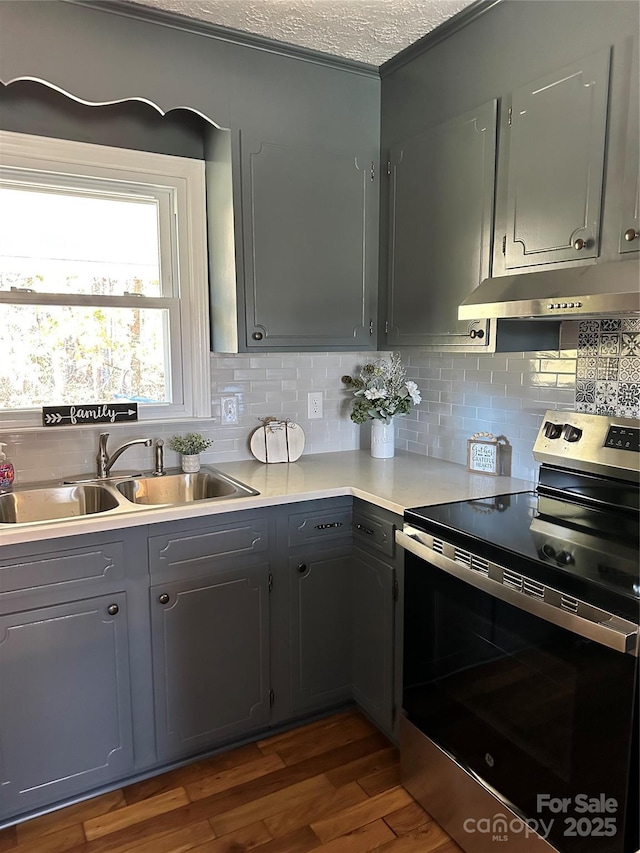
[(587, 621)]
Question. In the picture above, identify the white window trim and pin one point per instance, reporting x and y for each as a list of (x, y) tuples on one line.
[(187, 177)]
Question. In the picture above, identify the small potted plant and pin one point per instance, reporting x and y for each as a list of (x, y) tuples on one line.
[(190, 447)]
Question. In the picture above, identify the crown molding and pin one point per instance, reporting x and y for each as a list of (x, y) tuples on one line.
[(226, 34), (440, 33)]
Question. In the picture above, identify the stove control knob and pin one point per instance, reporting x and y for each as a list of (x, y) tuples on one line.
[(572, 433), (549, 551), (564, 558), (552, 430)]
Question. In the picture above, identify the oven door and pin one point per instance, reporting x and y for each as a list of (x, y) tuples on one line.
[(541, 715)]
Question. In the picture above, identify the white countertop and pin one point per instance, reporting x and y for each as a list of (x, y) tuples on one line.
[(406, 480)]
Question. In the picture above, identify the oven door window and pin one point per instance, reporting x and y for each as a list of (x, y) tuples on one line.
[(530, 708)]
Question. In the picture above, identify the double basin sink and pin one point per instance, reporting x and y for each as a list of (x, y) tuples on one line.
[(118, 494)]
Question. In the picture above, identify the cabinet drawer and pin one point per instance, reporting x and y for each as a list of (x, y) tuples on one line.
[(103, 562), (374, 531), (187, 550), (315, 524)]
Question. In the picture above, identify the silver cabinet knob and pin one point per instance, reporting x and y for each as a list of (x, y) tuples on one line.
[(631, 234), (112, 609), (164, 598), (580, 244)]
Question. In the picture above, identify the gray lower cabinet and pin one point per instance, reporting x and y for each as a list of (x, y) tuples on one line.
[(210, 644), (320, 629), (66, 711), (209, 600), (309, 246), (121, 654), (376, 649), (312, 598), (440, 230), (373, 636), (65, 703), (556, 161)]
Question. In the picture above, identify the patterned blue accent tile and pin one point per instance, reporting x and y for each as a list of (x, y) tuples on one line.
[(609, 345), (628, 400), (606, 396), (587, 343), (608, 368), (586, 326), (587, 368), (610, 325), (630, 344), (586, 395), (631, 324), (629, 369)]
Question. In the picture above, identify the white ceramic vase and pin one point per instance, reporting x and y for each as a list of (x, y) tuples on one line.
[(382, 439), (190, 462)]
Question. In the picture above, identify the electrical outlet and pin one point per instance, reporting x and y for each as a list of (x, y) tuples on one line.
[(314, 404), (229, 410)]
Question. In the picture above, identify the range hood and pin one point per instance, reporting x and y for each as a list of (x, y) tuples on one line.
[(596, 290)]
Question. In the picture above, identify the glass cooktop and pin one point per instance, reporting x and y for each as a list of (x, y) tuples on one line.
[(588, 552)]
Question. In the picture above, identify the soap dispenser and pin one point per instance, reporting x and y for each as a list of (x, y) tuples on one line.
[(7, 471)]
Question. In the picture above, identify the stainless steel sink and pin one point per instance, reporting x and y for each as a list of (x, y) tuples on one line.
[(55, 502), (205, 485)]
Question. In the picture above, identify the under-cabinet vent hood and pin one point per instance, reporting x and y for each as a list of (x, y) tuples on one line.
[(605, 289)]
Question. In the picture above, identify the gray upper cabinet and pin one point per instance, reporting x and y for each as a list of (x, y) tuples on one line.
[(309, 223), (629, 239), (556, 159), (440, 223)]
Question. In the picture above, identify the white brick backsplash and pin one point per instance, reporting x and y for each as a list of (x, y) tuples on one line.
[(462, 394)]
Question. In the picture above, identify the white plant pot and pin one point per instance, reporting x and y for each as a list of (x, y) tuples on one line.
[(190, 462), (382, 439)]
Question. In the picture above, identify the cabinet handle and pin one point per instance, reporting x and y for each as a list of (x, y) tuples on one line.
[(112, 609), (631, 234), (164, 598), (580, 244), (476, 333), (257, 336), (364, 529), (302, 568)]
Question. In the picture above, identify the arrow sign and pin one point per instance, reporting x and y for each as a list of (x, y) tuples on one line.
[(89, 413)]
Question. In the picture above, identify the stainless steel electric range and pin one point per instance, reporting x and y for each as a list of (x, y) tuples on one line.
[(520, 691)]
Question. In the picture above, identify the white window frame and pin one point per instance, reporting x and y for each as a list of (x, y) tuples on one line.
[(179, 183)]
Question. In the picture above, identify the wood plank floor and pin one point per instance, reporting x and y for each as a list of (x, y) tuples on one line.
[(332, 786)]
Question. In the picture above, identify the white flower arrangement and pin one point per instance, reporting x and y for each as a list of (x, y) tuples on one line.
[(382, 390)]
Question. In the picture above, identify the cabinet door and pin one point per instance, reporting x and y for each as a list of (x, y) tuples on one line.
[(630, 202), (320, 626), (65, 705), (373, 637), (210, 641), (441, 220), (309, 222), (556, 160)]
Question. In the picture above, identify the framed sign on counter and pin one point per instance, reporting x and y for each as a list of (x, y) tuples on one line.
[(484, 452)]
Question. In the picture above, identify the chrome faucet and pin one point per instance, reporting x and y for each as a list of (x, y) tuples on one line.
[(105, 460)]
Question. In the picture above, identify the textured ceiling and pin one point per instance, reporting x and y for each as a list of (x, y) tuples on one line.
[(369, 31)]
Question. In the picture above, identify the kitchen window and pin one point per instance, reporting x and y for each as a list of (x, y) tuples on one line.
[(103, 283)]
